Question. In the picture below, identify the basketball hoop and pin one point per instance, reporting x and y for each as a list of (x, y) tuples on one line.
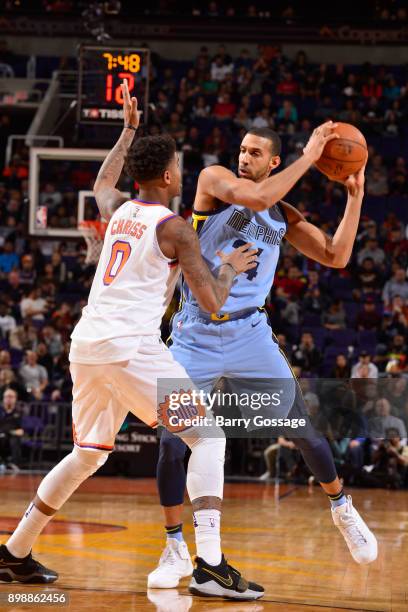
[(93, 233)]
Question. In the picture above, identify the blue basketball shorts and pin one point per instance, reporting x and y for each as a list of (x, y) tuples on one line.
[(242, 350)]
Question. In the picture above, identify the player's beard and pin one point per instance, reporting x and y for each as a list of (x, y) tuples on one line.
[(253, 175), (262, 175)]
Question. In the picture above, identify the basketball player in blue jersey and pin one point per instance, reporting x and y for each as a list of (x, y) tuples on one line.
[(238, 342)]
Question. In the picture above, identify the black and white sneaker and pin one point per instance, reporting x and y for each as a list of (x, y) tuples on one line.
[(222, 581), (26, 570)]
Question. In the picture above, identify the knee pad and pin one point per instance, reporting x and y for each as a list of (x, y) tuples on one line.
[(205, 474), (68, 474)]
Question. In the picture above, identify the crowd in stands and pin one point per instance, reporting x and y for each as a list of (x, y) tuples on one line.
[(331, 323), (368, 440)]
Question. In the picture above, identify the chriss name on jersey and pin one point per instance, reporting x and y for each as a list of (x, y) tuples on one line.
[(128, 228)]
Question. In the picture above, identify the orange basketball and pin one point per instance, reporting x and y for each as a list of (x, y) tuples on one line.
[(345, 155)]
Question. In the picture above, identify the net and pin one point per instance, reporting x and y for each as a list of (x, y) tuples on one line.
[(93, 233)]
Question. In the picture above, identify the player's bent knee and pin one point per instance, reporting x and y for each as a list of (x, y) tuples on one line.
[(90, 460), (68, 474)]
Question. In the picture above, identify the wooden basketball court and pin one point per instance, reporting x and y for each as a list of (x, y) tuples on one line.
[(110, 535)]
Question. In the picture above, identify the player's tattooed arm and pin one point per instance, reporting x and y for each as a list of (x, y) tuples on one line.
[(108, 198), (332, 251), (177, 239)]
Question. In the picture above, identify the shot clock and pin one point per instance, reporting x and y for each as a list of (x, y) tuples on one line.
[(101, 71)]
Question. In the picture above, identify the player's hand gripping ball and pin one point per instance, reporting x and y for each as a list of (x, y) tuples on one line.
[(345, 155)]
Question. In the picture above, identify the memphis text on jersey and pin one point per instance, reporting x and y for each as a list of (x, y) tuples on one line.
[(258, 232)]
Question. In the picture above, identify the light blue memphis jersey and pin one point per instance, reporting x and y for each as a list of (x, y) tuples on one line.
[(231, 226)]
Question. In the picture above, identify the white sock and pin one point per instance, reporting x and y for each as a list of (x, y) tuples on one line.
[(207, 535), (27, 531)]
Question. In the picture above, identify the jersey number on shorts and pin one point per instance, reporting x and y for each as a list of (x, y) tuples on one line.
[(120, 254), (251, 273)]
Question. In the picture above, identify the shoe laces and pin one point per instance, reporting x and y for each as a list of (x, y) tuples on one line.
[(241, 583), (168, 556), (235, 571), (352, 529)]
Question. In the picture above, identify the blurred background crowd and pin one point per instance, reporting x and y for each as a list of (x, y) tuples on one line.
[(333, 324)]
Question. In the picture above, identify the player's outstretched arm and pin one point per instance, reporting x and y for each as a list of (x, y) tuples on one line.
[(222, 184), (177, 239), (108, 198), (335, 251)]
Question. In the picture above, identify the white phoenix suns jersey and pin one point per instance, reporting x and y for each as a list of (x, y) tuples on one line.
[(133, 285)]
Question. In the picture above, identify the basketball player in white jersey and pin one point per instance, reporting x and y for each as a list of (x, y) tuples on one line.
[(117, 357)]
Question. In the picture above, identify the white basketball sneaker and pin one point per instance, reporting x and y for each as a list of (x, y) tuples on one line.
[(175, 563), (361, 542)]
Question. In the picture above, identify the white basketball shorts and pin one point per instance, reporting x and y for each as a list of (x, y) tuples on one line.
[(103, 394)]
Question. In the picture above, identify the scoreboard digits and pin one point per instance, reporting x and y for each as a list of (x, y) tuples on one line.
[(101, 71), (129, 62)]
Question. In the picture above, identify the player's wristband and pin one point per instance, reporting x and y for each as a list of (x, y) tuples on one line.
[(130, 127)]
